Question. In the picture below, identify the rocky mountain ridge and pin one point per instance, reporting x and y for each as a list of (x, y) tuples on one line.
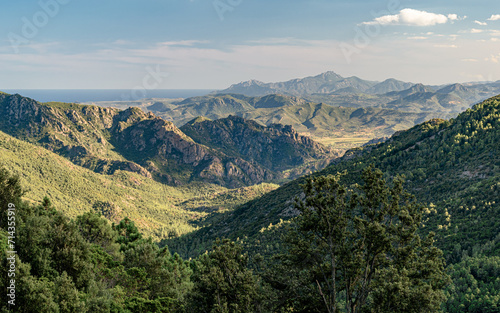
[(106, 140)]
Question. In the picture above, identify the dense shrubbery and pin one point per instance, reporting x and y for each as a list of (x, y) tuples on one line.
[(87, 265)]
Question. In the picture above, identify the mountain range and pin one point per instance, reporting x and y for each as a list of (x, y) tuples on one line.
[(105, 140), (325, 107), (331, 83), (325, 123), (187, 183)]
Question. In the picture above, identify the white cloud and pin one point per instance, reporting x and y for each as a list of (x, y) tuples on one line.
[(494, 17), (187, 43), (469, 60), (446, 46), (481, 23), (418, 38), (412, 17), (493, 59), (473, 31), (122, 42)]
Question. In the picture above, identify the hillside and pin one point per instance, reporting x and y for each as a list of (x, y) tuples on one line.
[(106, 140), (159, 210), (453, 167)]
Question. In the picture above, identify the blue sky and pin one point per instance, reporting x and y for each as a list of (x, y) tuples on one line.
[(210, 44)]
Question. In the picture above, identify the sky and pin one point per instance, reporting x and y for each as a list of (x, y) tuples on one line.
[(211, 44)]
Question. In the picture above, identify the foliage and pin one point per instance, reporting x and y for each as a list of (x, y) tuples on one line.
[(159, 210), (476, 286), (65, 265), (223, 283), (457, 178), (360, 248)]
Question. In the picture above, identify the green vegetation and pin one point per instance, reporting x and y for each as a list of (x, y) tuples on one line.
[(476, 285), (350, 242), (160, 211), (87, 265), (359, 249), (65, 265), (223, 282), (452, 167), (107, 140)]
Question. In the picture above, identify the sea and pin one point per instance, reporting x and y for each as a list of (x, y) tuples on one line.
[(94, 95)]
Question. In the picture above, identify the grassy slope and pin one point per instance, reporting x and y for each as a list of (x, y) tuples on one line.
[(160, 211)]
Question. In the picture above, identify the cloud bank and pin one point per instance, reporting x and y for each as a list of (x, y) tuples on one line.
[(412, 17)]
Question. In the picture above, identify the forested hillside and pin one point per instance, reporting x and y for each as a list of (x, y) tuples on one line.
[(159, 210), (348, 238), (88, 265), (453, 167)]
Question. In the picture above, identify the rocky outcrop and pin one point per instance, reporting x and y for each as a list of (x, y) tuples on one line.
[(276, 147)]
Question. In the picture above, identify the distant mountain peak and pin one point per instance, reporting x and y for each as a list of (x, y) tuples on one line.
[(324, 83), (198, 119), (330, 75), (454, 88), (419, 88), (251, 82)]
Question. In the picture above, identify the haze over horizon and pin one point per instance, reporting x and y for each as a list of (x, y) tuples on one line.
[(65, 44)]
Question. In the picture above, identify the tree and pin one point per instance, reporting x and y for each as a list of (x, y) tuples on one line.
[(222, 281), (10, 192), (128, 234), (96, 230), (361, 250)]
